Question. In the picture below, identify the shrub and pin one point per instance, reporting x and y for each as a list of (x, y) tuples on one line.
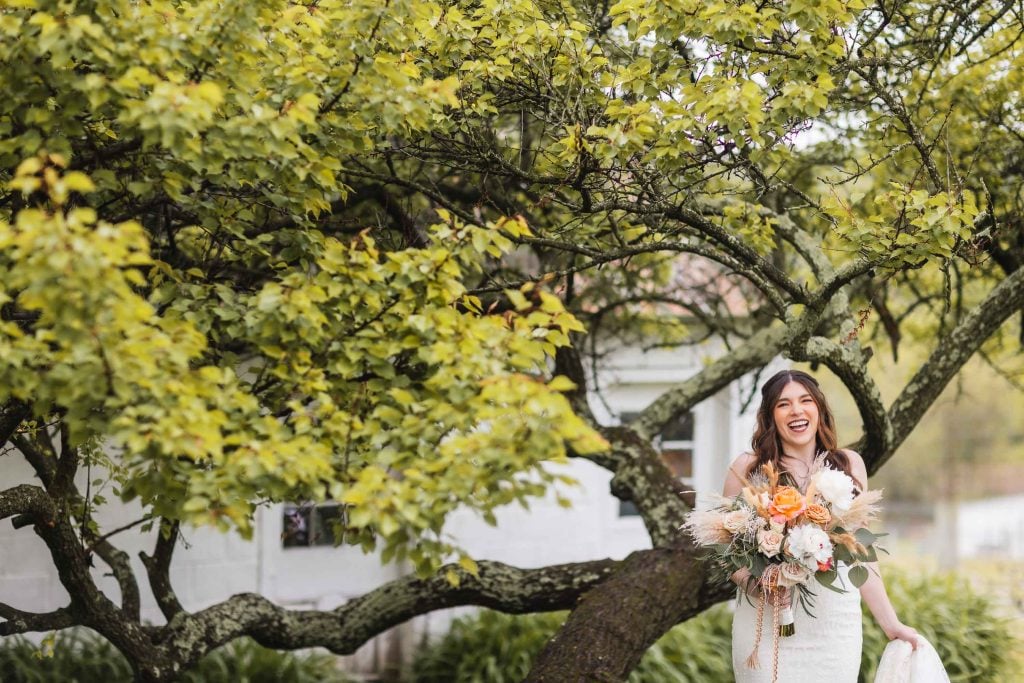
[(82, 656), (487, 647), (698, 650), (73, 656), (491, 647), (974, 642)]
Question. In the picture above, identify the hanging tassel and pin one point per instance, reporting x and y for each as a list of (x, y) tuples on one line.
[(753, 661), (775, 639), (768, 581)]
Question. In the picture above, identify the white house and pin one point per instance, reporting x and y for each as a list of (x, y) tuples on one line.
[(292, 562)]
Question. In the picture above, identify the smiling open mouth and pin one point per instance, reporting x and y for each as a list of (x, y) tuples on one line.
[(798, 425)]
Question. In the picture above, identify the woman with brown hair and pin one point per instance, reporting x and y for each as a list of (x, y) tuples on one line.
[(796, 433)]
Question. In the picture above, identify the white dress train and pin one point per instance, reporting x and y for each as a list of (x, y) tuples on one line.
[(825, 648)]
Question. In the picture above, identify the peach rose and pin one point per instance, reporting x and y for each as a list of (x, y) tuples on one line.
[(818, 514), (736, 521), (788, 503), (769, 542), (792, 573)]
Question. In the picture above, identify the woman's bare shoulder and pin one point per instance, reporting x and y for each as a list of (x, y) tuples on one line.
[(857, 467), (738, 470), (855, 459), (743, 460)]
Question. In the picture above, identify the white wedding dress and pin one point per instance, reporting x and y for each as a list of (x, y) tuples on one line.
[(824, 649)]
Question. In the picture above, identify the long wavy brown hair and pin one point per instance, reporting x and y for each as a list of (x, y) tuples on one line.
[(767, 445)]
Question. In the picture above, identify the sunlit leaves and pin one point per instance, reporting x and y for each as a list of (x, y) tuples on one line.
[(366, 376), (906, 226)]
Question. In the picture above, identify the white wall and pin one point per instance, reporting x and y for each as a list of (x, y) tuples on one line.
[(992, 527)]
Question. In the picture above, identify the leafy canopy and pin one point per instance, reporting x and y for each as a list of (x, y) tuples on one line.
[(226, 349)]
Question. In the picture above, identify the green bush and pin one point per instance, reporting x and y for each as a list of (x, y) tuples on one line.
[(974, 642), (491, 647), (73, 656), (82, 656), (698, 650), (488, 647)]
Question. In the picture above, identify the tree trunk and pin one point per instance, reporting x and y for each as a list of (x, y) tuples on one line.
[(618, 620)]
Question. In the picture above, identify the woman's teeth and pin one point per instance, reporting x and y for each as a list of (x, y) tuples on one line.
[(799, 425)]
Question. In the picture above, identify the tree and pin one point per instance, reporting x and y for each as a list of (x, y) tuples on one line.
[(268, 251)]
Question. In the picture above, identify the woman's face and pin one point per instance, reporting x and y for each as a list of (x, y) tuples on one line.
[(796, 417)]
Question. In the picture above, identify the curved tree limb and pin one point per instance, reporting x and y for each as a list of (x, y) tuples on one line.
[(18, 621), (848, 364), (754, 353), (57, 473), (345, 629), (951, 353), (158, 566)]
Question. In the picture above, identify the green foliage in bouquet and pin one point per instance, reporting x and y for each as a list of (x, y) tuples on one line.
[(974, 641), (82, 656), (491, 647)]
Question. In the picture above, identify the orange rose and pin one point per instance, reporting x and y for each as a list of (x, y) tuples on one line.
[(817, 514), (788, 503)]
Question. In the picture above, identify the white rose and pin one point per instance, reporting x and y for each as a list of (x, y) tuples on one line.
[(736, 521), (792, 573), (835, 487), (769, 542), (809, 545)]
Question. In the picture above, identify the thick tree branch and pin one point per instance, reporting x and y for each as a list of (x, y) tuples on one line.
[(951, 353), (26, 499), (57, 474), (848, 364), (18, 621), (620, 619), (41, 460), (345, 629), (754, 353), (158, 566), (639, 474)]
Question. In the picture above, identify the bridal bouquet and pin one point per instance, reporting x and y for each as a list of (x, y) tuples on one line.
[(789, 538)]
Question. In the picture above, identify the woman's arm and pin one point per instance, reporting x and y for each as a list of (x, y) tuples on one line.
[(874, 596), (873, 591)]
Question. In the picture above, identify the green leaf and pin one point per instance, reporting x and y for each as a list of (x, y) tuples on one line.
[(858, 575)]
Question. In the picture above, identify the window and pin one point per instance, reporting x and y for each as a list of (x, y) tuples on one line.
[(309, 525), (675, 442)]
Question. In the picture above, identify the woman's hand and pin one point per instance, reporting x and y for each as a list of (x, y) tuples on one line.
[(741, 577), (745, 581), (902, 632)]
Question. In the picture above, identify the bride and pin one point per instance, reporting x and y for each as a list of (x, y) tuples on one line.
[(794, 425)]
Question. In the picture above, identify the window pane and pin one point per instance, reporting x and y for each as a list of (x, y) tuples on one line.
[(679, 429), (327, 527), (628, 509), (679, 462), (296, 526)]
